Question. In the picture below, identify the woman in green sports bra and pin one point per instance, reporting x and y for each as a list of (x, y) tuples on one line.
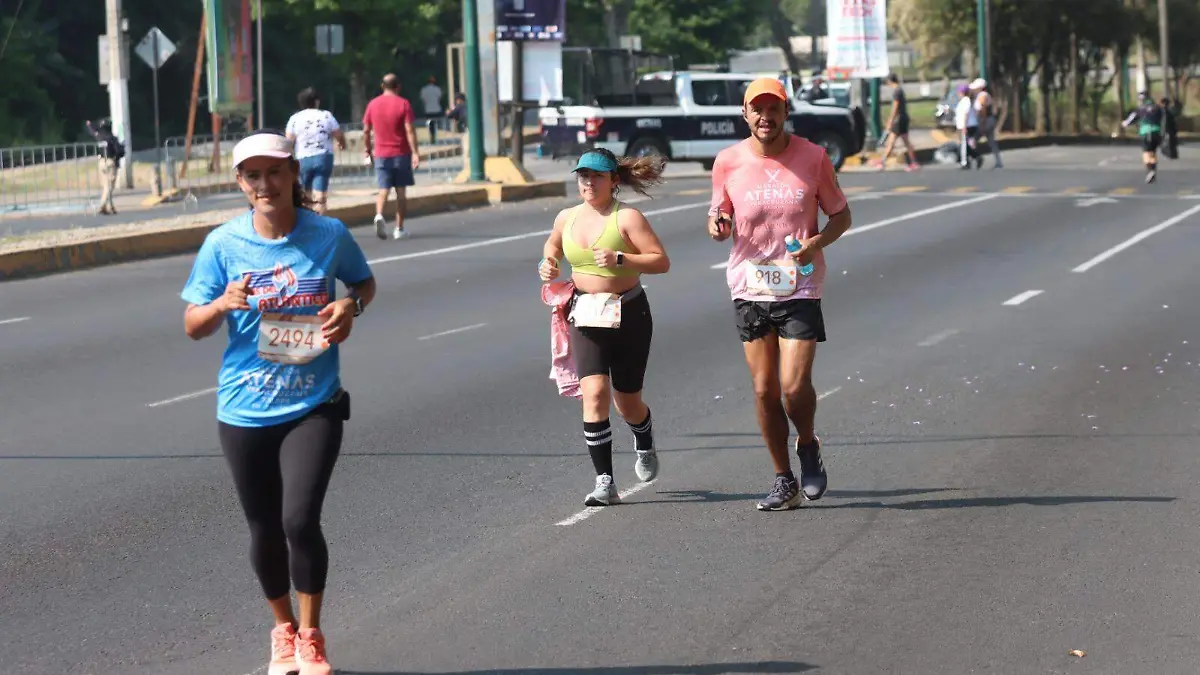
[(609, 245)]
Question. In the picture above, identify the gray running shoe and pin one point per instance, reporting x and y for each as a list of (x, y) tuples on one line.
[(605, 493), (784, 496), (380, 227), (646, 466)]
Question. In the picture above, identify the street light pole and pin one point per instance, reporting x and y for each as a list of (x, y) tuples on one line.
[(1163, 50), (981, 20), (474, 89)]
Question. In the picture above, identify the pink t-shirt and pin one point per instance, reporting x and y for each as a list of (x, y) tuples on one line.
[(770, 198), (387, 114)]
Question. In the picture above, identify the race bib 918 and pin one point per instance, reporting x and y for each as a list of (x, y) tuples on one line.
[(771, 277), (290, 338)]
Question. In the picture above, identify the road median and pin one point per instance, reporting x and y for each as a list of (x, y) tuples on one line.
[(60, 251)]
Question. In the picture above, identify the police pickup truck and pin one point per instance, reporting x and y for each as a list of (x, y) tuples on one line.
[(689, 116)]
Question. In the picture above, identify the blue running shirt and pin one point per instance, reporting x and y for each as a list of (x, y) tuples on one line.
[(291, 275)]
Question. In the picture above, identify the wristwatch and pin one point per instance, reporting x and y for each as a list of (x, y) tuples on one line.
[(358, 304), (620, 259)]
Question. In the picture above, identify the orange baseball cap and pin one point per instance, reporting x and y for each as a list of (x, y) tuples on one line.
[(765, 86)]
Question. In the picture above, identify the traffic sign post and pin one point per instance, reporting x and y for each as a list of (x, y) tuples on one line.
[(155, 49)]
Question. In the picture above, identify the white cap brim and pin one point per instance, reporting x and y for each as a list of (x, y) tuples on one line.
[(261, 145), (979, 83)]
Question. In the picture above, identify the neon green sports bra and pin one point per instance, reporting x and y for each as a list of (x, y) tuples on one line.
[(582, 259)]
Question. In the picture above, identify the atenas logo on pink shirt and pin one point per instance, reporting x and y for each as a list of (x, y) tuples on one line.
[(770, 198)]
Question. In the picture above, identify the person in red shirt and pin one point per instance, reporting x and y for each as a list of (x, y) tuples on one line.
[(389, 122), (765, 189)]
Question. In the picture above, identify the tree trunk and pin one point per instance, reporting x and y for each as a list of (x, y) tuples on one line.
[(781, 32), (1042, 119), (1074, 85), (358, 94), (616, 20), (1118, 58)]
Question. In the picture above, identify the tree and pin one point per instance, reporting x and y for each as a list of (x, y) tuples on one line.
[(379, 37), (1182, 41)]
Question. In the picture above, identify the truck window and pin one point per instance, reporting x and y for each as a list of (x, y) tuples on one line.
[(711, 92)]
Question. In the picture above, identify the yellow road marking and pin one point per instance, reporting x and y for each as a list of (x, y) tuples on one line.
[(1017, 189)]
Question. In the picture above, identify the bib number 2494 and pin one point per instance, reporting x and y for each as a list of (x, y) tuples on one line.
[(290, 338)]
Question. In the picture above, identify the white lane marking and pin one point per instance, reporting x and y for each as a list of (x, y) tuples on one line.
[(452, 331), (177, 399), (19, 319), (515, 237), (898, 219), (1135, 239), (593, 510), (1021, 297), (937, 337)]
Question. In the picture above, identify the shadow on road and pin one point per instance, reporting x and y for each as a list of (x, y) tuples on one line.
[(699, 669)]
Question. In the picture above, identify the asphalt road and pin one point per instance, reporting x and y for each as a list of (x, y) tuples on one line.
[(1009, 421)]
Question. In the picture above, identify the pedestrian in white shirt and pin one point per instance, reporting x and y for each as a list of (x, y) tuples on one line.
[(966, 120), (313, 131)]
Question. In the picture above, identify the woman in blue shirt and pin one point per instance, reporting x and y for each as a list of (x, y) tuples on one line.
[(270, 275)]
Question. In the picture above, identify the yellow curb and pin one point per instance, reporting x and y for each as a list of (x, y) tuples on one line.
[(143, 245)]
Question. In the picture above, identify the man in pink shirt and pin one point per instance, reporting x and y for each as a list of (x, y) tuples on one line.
[(389, 118), (765, 188)]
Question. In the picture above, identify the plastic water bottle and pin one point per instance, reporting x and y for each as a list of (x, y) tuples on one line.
[(792, 246)]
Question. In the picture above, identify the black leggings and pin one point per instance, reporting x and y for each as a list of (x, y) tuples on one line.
[(281, 473)]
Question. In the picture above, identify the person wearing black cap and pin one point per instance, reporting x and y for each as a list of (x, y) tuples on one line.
[(609, 245)]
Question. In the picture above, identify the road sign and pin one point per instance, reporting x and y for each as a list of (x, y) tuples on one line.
[(102, 45), (330, 39), (155, 41)]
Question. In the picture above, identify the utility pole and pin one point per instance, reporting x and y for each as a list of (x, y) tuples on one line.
[(118, 85), (981, 21), (259, 68), (474, 89), (1163, 50)]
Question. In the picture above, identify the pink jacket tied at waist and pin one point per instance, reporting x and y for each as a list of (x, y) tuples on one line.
[(558, 295)]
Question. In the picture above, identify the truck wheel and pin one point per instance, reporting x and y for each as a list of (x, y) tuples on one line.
[(648, 146), (708, 164), (834, 146)]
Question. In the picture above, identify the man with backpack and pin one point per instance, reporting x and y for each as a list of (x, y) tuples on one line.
[(110, 154)]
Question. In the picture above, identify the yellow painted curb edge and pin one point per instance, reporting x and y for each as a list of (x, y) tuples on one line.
[(141, 246)]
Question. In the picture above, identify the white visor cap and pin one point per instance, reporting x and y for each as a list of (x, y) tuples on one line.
[(261, 145)]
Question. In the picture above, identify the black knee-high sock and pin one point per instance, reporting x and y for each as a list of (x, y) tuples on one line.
[(599, 444), (643, 434)]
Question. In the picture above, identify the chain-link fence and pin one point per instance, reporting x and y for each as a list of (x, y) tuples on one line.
[(206, 167)]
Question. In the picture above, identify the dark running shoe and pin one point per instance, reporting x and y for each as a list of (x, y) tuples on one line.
[(813, 479), (784, 496)]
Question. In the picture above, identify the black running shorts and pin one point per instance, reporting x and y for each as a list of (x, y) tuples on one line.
[(798, 319)]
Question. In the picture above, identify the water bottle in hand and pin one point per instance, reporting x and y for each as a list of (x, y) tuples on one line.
[(792, 246)]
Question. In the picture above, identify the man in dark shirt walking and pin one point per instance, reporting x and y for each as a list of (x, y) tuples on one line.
[(897, 126)]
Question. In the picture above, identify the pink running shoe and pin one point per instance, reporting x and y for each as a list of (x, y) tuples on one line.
[(283, 650), (310, 653)]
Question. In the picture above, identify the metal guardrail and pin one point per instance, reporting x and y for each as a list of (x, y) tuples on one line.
[(49, 177), (206, 169)]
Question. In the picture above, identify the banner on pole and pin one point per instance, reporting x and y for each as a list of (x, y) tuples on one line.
[(229, 56), (857, 38)]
